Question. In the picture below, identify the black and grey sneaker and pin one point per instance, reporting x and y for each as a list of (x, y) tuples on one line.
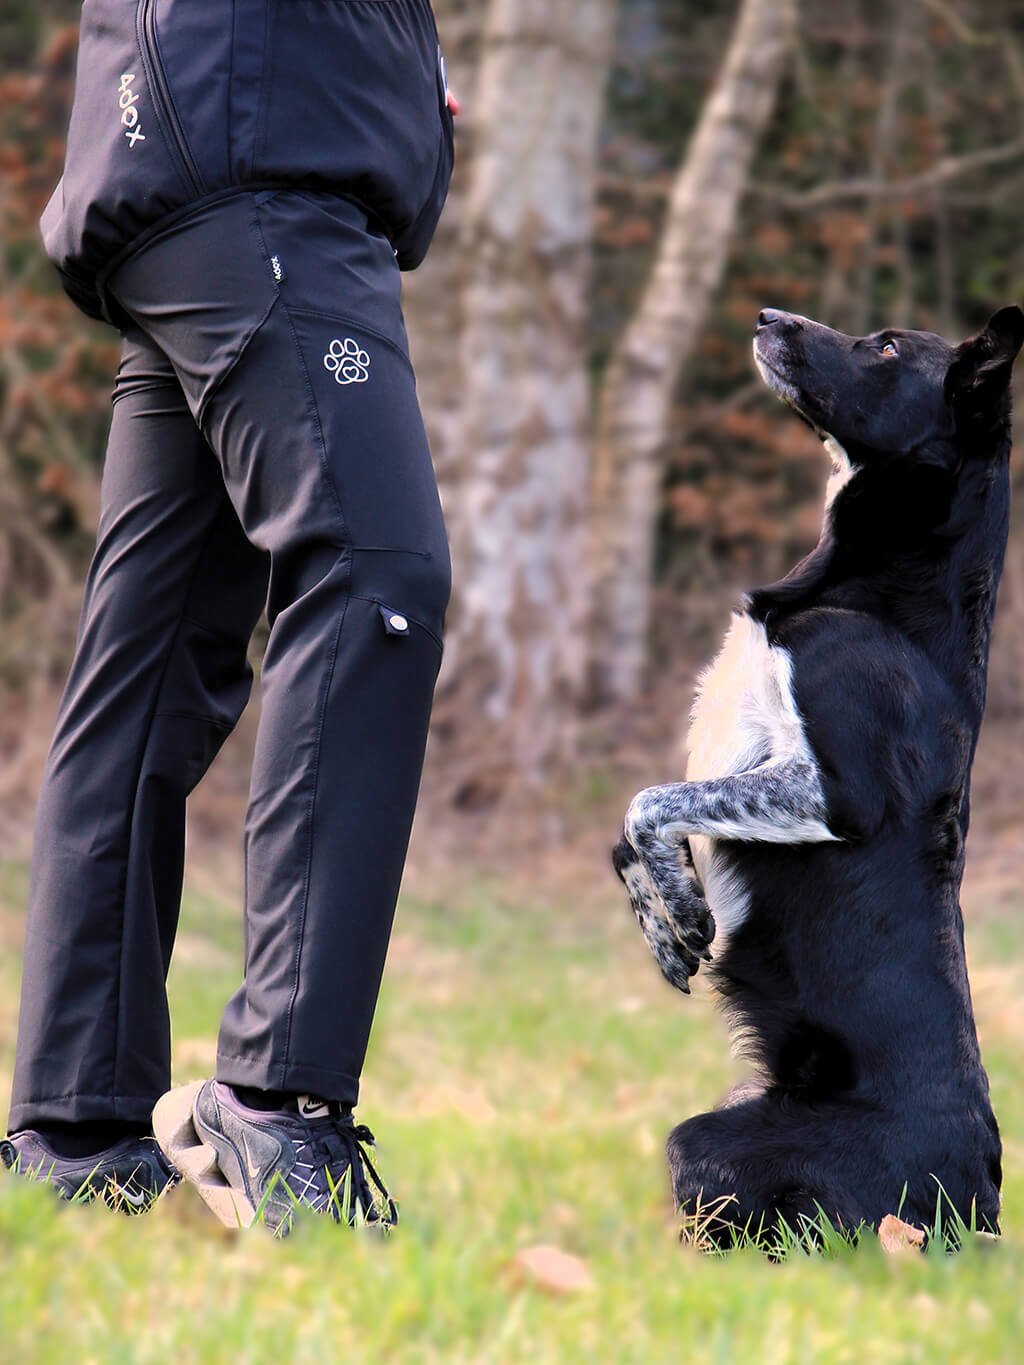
[(250, 1164), (129, 1176)]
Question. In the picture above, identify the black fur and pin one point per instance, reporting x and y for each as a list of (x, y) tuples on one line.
[(847, 979)]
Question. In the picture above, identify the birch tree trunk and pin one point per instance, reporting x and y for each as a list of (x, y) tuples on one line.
[(634, 419), (517, 484)]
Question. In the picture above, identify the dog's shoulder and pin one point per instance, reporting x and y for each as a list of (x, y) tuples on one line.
[(858, 655), (882, 722)]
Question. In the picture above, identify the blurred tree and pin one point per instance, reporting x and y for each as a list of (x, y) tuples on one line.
[(53, 409), (635, 425), (517, 486), (433, 297)]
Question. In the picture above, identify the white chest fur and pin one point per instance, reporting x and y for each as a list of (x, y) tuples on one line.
[(744, 712), (744, 715)]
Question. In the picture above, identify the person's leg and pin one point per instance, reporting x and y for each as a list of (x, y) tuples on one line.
[(160, 676), (282, 316)]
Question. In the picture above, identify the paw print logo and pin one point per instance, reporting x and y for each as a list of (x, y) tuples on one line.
[(347, 361)]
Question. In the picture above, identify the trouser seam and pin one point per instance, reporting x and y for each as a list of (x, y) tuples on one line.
[(232, 365), (325, 467), (216, 721), (359, 325), (311, 819), (331, 662), (143, 747)]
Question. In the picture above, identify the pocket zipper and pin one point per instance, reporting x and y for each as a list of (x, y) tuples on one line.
[(161, 94)]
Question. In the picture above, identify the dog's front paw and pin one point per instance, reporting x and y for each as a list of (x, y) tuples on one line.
[(679, 929), (693, 923)]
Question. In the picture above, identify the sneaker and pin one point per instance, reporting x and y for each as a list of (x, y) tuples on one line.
[(129, 1176), (249, 1164)]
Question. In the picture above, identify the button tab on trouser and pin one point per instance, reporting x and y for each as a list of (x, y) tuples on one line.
[(394, 622)]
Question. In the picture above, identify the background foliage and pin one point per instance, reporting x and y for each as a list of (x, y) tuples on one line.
[(527, 1063)]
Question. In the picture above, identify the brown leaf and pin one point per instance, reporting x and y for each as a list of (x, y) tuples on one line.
[(553, 1270), (896, 1236)]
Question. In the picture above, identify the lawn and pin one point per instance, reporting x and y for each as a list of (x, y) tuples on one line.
[(527, 1065)]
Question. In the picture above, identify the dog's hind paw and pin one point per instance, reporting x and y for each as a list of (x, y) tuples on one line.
[(678, 933)]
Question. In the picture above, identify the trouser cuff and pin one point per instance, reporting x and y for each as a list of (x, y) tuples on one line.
[(296, 1078)]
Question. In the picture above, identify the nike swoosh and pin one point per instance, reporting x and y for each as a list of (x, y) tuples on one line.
[(252, 1167), (136, 1200)]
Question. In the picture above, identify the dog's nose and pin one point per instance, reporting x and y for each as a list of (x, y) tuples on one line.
[(768, 316)]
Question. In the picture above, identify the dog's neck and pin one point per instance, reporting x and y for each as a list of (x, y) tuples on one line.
[(925, 562)]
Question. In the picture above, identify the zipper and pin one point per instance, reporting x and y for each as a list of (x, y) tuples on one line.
[(161, 94)]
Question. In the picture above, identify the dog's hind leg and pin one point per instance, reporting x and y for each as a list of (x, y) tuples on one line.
[(746, 1168), (678, 929)]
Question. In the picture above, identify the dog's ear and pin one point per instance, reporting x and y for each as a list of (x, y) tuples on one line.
[(980, 370)]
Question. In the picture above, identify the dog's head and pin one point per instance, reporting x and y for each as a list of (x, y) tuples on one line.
[(895, 396), (919, 434)]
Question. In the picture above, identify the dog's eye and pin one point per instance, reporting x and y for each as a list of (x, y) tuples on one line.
[(890, 348)]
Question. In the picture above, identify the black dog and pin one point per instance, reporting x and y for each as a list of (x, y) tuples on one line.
[(821, 827)]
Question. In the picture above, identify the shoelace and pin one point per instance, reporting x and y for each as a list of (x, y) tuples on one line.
[(343, 1146)]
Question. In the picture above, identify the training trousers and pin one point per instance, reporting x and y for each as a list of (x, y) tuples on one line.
[(266, 448)]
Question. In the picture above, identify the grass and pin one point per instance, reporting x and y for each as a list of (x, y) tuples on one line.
[(526, 1068)]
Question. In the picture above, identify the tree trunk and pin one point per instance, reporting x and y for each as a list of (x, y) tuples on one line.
[(432, 294), (634, 419), (517, 480)]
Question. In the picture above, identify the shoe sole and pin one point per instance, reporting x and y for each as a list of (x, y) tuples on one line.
[(176, 1134)]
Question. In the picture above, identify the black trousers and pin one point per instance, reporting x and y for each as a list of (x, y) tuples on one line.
[(266, 447)]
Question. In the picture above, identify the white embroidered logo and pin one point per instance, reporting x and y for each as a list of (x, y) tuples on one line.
[(127, 99), (347, 361)]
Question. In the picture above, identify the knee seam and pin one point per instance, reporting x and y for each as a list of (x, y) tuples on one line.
[(217, 721)]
